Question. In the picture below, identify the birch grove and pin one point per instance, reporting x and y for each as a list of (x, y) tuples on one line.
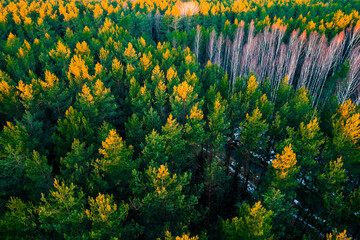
[(306, 60)]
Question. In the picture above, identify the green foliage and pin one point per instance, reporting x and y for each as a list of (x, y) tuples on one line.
[(152, 114), (74, 126), (62, 213), (253, 223), (162, 202), (107, 217)]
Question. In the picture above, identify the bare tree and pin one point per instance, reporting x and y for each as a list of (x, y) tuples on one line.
[(351, 85), (197, 42), (211, 45)]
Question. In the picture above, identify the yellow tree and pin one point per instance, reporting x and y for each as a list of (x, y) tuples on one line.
[(60, 56), (285, 171), (182, 100), (130, 55), (78, 72), (337, 235), (346, 132)]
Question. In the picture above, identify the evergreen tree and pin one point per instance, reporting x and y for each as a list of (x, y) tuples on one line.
[(253, 223), (162, 202)]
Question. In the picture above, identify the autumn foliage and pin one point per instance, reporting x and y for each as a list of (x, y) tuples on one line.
[(179, 120)]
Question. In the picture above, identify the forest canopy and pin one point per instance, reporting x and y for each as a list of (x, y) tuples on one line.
[(179, 120)]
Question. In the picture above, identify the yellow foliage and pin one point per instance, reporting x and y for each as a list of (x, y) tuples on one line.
[(50, 80), (196, 113), (285, 161), (116, 65), (112, 141), (16, 19), (100, 89), (157, 73), (129, 69), (26, 91), (171, 122), (82, 49), (142, 42), (3, 15), (107, 27), (86, 94), (162, 172), (188, 59), (352, 128), (5, 89), (186, 237), (104, 54), (27, 21), (205, 8), (311, 26), (11, 37), (143, 90), (175, 11), (160, 46), (340, 20), (146, 61), (100, 208), (171, 74), (346, 109), (191, 79), (183, 92), (183, 237), (98, 69), (78, 69), (240, 6), (98, 11), (166, 54), (40, 21), (251, 86), (69, 11), (130, 52), (61, 51), (337, 236)]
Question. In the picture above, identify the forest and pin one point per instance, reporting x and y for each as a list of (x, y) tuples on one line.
[(180, 120)]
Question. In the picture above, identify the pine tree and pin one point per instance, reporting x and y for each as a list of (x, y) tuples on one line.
[(62, 212), (175, 145), (182, 101), (116, 163), (74, 126), (346, 133), (162, 202), (75, 167), (253, 223), (154, 150), (252, 140), (194, 128), (218, 126), (19, 220), (330, 187), (285, 170), (107, 218), (135, 133)]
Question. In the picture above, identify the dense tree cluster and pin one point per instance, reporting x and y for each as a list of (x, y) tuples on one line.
[(179, 120)]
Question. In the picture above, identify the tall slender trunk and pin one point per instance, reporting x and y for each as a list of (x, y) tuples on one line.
[(228, 154), (246, 174)]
